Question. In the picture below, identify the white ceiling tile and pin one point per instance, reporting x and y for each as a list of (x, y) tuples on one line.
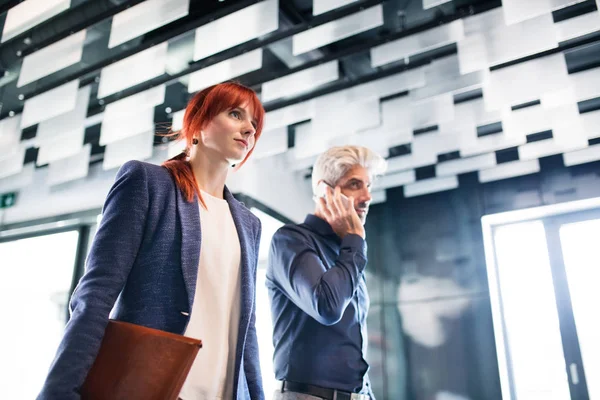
[(472, 53), (473, 112), (509, 170), (18, 181), (145, 17), (61, 147), (526, 121), (115, 130), (30, 13), (323, 6), (490, 143), (70, 168), (590, 154), (351, 118), (378, 197), (289, 115), (225, 70), (463, 165), (516, 11), (549, 147), (574, 27), (427, 4), (137, 147), (271, 143), (337, 30), (12, 163), (10, 134), (299, 82), (431, 111), (432, 185), (395, 179), (141, 101), (591, 123), (50, 104), (257, 20), (131, 116), (147, 64), (177, 123), (426, 146), (484, 22), (506, 43), (53, 58), (419, 43), (308, 141), (397, 83), (452, 85), (522, 83), (586, 84), (67, 123), (411, 161)]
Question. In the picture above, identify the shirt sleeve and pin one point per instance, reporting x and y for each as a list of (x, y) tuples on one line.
[(322, 291)]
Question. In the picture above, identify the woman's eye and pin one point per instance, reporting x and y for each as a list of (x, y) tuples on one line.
[(235, 114)]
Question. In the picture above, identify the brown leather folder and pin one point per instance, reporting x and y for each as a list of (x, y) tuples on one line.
[(135, 362)]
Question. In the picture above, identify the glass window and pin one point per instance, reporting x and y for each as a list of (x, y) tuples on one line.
[(35, 280), (531, 324)]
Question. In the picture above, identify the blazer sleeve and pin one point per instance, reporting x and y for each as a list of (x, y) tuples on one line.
[(112, 255), (251, 355)]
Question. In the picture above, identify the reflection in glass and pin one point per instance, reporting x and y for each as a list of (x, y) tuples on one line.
[(531, 325), (579, 241), (35, 279)]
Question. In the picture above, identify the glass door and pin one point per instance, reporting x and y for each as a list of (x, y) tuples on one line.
[(573, 240), (36, 277), (544, 279)]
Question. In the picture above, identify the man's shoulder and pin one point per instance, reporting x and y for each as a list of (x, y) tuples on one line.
[(294, 232)]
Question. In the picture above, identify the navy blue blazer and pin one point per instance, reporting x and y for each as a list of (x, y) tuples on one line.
[(145, 258)]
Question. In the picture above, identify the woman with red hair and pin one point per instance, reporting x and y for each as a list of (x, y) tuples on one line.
[(175, 251)]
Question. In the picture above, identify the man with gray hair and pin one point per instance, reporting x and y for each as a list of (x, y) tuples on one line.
[(316, 284)]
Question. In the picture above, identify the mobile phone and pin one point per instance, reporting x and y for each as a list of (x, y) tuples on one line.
[(321, 192)]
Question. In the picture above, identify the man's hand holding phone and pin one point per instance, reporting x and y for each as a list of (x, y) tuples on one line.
[(339, 212)]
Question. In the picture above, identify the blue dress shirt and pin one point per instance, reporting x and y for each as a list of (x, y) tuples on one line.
[(319, 304)]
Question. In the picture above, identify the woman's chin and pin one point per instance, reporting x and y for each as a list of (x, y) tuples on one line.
[(234, 159)]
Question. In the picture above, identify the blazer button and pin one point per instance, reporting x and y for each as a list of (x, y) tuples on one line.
[(185, 313)]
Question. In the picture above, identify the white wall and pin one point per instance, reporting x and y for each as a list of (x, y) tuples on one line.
[(272, 182)]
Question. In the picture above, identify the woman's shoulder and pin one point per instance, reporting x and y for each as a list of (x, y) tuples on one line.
[(144, 170)]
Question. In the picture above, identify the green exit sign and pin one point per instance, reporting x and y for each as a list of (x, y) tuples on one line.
[(8, 200)]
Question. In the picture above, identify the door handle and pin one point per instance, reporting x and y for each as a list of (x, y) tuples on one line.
[(574, 374)]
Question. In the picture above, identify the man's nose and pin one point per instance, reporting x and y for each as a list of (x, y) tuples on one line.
[(365, 196)]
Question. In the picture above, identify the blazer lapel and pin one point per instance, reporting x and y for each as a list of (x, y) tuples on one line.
[(189, 218), (244, 229)]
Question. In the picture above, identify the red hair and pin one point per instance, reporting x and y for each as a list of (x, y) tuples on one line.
[(201, 109)]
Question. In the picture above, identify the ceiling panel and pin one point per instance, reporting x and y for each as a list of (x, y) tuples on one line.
[(30, 13), (255, 21), (145, 17), (53, 58), (337, 30)]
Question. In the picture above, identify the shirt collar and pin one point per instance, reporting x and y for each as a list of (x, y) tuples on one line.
[(320, 226)]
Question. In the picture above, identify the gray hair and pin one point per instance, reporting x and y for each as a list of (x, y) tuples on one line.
[(333, 164)]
